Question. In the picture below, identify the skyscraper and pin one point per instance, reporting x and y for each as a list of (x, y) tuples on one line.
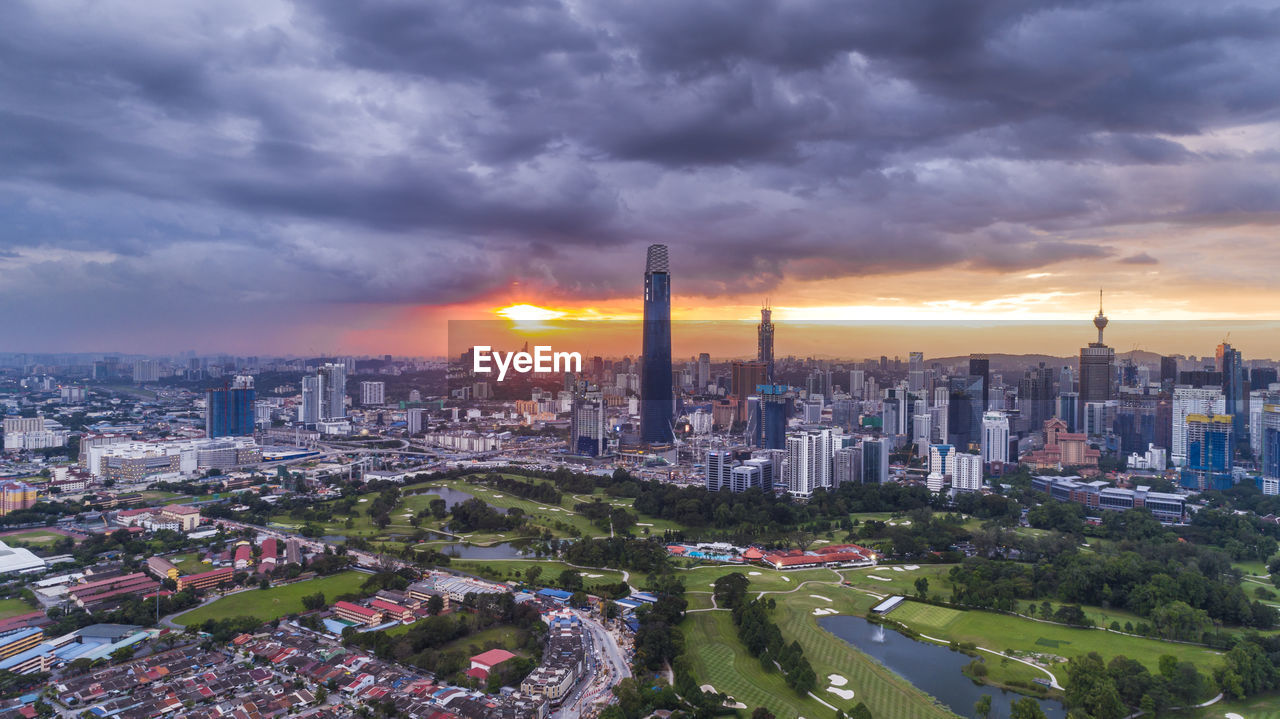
[(764, 341), (657, 413), (333, 391), (1188, 401), (980, 366), (229, 411), (704, 373), (744, 379), (1234, 379), (373, 393), (1095, 365), (995, 438), (1210, 442), (312, 388), (915, 371)]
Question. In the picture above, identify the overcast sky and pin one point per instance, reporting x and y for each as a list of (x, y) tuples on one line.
[(263, 176)]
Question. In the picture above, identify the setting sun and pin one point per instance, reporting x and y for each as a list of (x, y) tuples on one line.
[(529, 313)]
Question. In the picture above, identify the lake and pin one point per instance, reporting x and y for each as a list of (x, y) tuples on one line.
[(931, 668)]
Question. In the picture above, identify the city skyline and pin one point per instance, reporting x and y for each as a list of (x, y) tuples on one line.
[(282, 177)]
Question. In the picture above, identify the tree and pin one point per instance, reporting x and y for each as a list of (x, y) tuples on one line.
[(532, 573), (922, 587), (312, 602), (982, 707), (1026, 708), (762, 713), (435, 605), (860, 712)]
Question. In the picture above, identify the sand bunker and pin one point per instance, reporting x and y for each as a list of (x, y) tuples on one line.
[(842, 693), (754, 574), (823, 611), (877, 576), (837, 680), (594, 576), (1233, 715), (819, 596), (643, 524), (898, 569), (497, 496), (912, 567), (786, 579)]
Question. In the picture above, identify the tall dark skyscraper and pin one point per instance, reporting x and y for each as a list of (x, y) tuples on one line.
[(1234, 379), (980, 366), (764, 341), (657, 414), (1095, 367)]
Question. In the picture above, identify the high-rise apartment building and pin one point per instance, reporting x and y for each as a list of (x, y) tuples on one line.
[(704, 372), (312, 389), (875, 460), (1189, 401), (15, 495), (995, 438), (657, 411), (968, 473), (333, 394), (229, 410), (1210, 441), (146, 371), (415, 420), (808, 461), (373, 393)]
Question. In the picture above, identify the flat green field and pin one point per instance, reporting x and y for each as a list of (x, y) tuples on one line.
[(1026, 636), (1265, 706), (34, 537), (560, 519), (275, 602), (514, 570), (917, 614), (14, 607)]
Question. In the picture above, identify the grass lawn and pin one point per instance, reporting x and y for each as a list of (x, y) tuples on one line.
[(514, 570), (719, 659), (275, 602), (14, 607), (763, 580), (1266, 706), (561, 520), (502, 637), (1026, 636), (34, 537)]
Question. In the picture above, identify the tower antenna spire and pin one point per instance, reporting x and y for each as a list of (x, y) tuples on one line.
[(1099, 300)]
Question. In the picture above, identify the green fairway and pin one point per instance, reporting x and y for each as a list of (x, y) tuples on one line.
[(275, 602), (514, 570), (914, 613), (14, 607), (561, 520), (1265, 706), (1002, 633), (762, 579), (718, 658)]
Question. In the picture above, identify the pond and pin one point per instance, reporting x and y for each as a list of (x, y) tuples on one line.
[(456, 496), (505, 550), (931, 668)]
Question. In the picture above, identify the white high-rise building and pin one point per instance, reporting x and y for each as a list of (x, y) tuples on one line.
[(373, 393), (922, 429), (942, 459), (704, 372), (968, 473), (719, 470), (1192, 400), (856, 381), (995, 437), (312, 388), (415, 419), (846, 466), (333, 395), (146, 371), (808, 462)]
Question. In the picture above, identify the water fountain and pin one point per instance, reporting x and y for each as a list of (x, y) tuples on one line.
[(878, 634)]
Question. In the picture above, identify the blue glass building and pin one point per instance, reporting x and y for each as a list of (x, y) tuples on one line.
[(657, 412), (229, 412)]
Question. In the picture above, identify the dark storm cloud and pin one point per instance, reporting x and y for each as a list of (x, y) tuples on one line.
[(405, 152)]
